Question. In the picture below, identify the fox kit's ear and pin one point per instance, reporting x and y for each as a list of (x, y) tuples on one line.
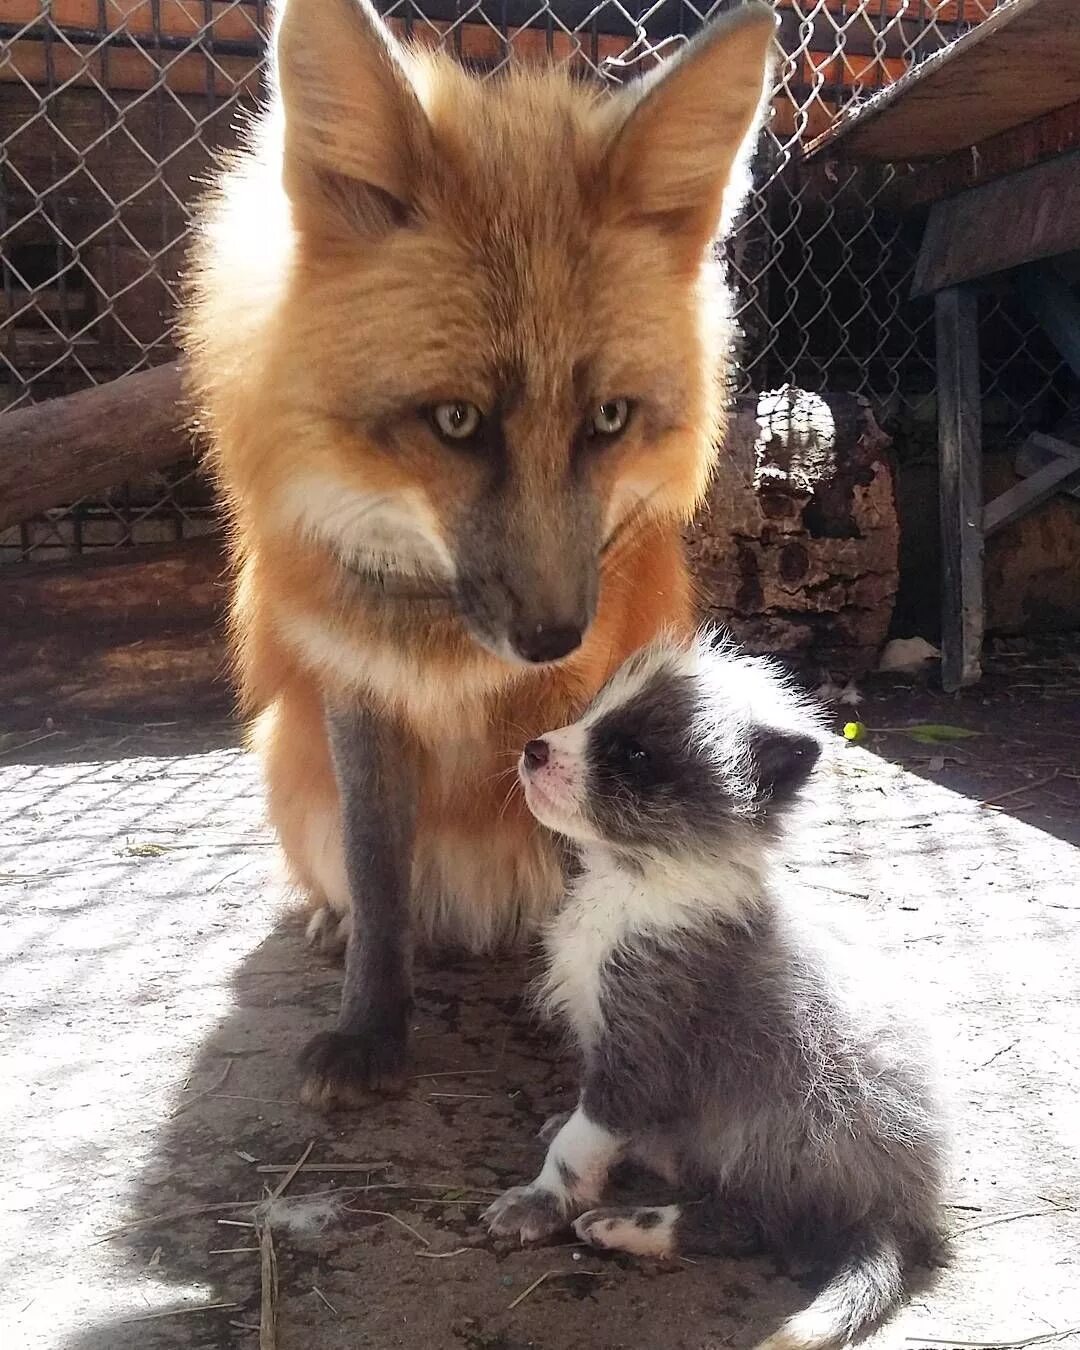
[(690, 124), (355, 132), (782, 762)]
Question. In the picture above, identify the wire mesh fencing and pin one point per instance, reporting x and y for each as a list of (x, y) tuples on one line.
[(111, 112)]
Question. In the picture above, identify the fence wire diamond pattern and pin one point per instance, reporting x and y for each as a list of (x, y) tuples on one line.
[(111, 111)]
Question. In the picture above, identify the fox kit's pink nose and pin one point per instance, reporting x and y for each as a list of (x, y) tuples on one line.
[(536, 754)]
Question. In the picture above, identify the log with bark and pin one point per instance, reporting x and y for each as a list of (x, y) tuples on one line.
[(132, 634), (796, 549), (55, 452)]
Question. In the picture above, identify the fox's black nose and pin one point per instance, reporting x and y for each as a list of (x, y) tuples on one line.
[(543, 642), (536, 754)]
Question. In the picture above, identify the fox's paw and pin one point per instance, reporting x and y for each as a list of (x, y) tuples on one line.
[(328, 931), (343, 1070), (529, 1213), (639, 1231)]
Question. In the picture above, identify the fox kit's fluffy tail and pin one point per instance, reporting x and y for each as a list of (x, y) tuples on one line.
[(866, 1288)]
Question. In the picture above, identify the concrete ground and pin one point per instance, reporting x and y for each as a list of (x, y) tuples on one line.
[(155, 989)]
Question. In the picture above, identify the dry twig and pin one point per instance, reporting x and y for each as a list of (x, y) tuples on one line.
[(1039, 1338), (199, 1096), (268, 1287), (323, 1167), (385, 1214), (180, 1312), (286, 1180), (1016, 791)]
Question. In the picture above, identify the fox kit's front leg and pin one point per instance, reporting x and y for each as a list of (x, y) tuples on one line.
[(367, 1052), (572, 1179)]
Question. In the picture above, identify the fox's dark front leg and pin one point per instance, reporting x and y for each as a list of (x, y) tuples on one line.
[(377, 789)]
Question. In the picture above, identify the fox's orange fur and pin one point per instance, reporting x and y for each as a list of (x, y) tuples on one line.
[(399, 234)]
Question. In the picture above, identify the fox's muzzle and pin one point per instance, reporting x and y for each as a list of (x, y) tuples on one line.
[(528, 577)]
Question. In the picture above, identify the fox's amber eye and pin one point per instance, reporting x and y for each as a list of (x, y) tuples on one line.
[(456, 421), (610, 417)]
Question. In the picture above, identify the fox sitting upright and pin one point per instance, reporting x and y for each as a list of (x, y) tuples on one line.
[(459, 346)]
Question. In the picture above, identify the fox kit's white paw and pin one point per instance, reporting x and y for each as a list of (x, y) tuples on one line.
[(327, 931), (530, 1213), (638, 1231)]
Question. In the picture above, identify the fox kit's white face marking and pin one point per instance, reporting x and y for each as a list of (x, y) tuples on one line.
[(674, 758), (552, 773)]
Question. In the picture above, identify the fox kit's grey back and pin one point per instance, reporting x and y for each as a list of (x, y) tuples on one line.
[(725, 1043)]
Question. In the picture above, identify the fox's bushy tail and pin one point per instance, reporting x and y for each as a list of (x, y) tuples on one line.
[(867, 1288)]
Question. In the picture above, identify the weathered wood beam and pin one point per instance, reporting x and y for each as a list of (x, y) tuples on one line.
[(961, 494), (55, 452), (1062, 472), (1010, 151), (1021, 218)]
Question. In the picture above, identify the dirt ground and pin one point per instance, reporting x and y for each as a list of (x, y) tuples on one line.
[(155, 989)]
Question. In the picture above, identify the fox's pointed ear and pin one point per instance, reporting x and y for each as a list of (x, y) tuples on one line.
[(355, 131), (690, 124)]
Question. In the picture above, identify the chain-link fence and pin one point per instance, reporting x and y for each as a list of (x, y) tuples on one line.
[(111, 111)]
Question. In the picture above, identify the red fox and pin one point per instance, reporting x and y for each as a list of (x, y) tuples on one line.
[(460, 349)]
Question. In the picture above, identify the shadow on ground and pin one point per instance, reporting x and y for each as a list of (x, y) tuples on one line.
[(155, 992)]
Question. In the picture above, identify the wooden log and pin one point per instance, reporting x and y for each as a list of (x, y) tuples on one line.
[(796, 549), (55, 452), (129, 634)]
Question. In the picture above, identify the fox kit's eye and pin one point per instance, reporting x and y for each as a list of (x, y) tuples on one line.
[(457, 421), (609, 418), (630, 752)]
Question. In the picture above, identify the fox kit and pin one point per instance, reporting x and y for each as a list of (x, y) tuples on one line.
[(726, 1046), (459, 348)]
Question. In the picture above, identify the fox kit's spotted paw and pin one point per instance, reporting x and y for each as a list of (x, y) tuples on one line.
[(529, 1213), (345, 1070), (327, 931), (639, 1231)]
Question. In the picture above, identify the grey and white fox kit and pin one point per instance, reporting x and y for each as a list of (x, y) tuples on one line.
[(726, 1045)]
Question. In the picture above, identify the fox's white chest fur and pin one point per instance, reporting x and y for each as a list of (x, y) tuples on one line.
[(611, 905)]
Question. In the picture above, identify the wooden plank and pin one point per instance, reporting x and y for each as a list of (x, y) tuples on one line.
[(1021, 62), (55, 452), (1047, 294), (1017, 219), (1012, 150), (1038, 451), (1057, 476), (960, 467)]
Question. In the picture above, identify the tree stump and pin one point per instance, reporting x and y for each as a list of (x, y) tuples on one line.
[(796, 549)]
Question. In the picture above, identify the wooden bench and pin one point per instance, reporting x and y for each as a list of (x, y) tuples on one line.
[(999, 111)]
